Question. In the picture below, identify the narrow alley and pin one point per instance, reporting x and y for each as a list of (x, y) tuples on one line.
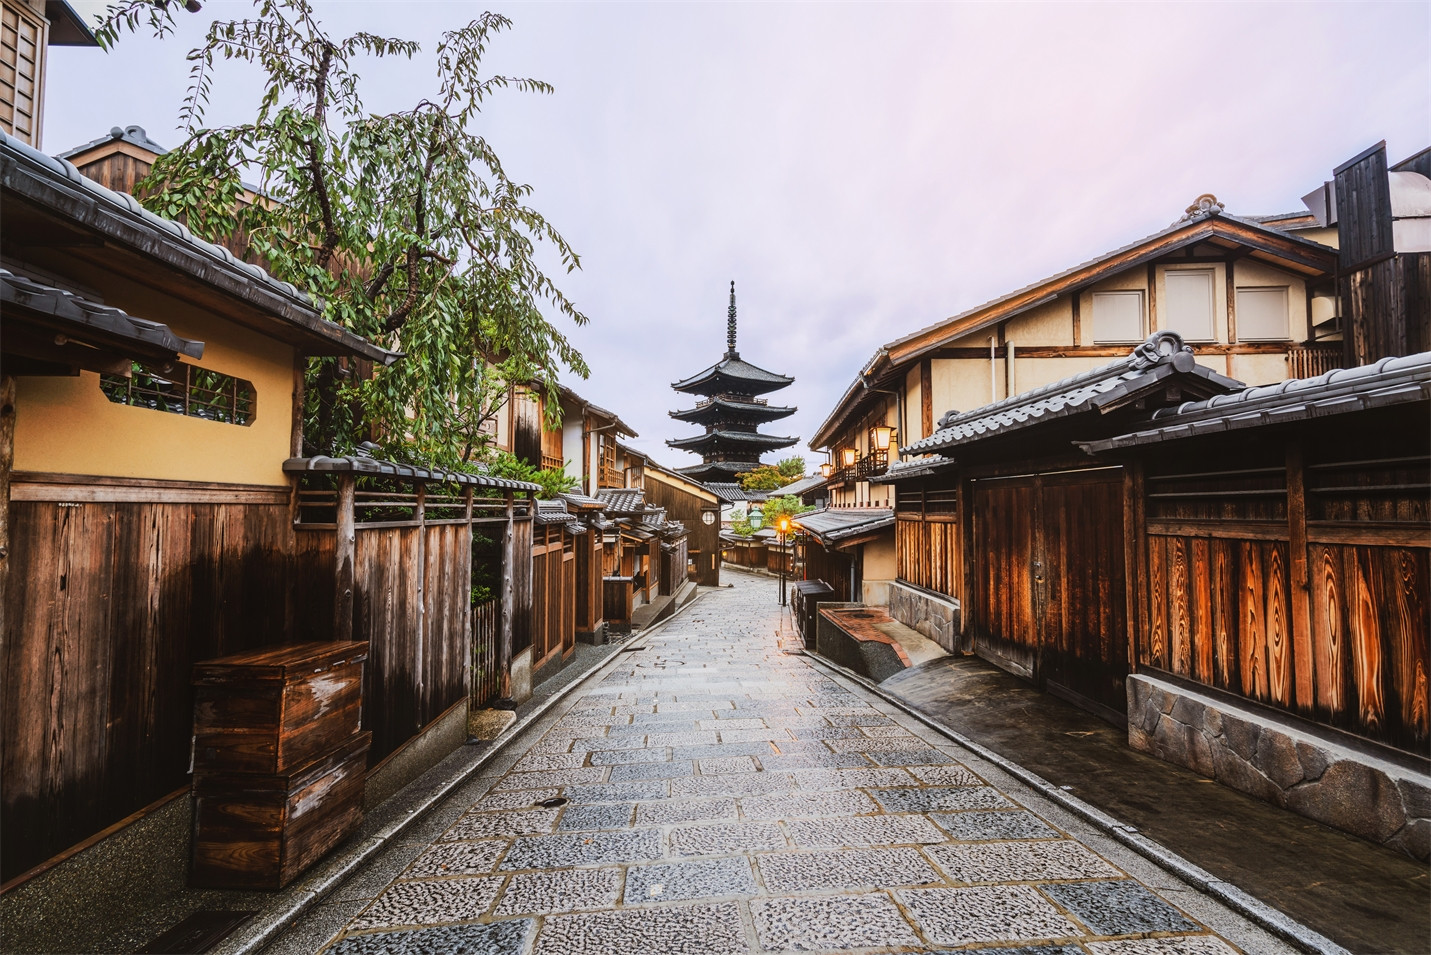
[(707, 792)]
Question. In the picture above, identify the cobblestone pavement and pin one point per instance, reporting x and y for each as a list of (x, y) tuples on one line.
[(712, 794)]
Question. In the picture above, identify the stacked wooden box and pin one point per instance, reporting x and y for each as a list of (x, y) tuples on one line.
[(279, 761)]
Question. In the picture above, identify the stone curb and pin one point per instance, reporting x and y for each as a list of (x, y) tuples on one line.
[(268, 925), (1244, 904)]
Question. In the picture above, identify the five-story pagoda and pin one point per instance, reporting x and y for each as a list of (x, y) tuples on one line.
[(730, 413)]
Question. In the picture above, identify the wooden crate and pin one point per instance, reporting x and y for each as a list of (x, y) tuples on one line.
[(260, 831), (278, 708)]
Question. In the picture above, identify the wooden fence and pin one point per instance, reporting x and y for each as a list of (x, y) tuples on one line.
[(486, 674), (115, 589), (1302, 586)]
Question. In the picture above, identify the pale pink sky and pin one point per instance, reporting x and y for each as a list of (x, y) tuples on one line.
[(860, 170)]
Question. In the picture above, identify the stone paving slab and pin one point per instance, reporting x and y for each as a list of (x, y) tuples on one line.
[(743, 801)]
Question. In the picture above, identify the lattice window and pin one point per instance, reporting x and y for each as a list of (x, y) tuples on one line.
[(188, 390)]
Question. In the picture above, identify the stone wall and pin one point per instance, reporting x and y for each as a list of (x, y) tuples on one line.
[(1312, 775), (935, 617)]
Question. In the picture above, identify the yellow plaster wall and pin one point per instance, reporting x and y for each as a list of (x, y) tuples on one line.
[(963, 383), (68, 426), (1037, 372), (1256, 369), (1049, 324), (913, 428)]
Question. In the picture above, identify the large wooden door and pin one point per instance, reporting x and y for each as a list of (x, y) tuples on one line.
[(1049, 594), (1004, 519), (1083, 620)]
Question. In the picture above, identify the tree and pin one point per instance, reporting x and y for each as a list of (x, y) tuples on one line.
[(406, 225), (772, 510), (769, 477)]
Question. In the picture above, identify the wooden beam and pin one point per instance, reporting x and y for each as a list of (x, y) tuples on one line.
[(1152, 300), (926, 397), (504, 634), (295, 440), (1304, 682), (7, 461), (1231, 286), (1076, 301), (344, 556)]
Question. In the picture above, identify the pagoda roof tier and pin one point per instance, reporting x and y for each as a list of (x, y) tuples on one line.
[(712, 441), (720, 471), (731, 376), (732, 409)]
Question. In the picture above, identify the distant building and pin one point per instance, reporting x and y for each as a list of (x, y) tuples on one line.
[(731, 414)]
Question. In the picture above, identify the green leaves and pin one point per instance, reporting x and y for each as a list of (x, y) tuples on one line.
[(405, 225)]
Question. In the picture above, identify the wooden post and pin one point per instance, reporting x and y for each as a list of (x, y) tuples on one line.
[(1134, 569), (504, 636), (419, 581), (1304, 680), (7, 462), (344, 555), (466, 571)]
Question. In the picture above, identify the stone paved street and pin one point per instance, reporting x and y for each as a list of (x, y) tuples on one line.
[(709, 793)]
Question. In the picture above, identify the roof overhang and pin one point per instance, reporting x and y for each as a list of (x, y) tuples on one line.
[(1239, 237), (47, 205)]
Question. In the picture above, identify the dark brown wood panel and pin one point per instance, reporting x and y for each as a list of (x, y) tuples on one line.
[(1003, 612), (108, 607)]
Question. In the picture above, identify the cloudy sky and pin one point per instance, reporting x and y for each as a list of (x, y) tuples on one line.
[(860, 170)]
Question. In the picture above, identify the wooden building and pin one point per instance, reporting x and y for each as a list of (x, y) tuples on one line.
[(697, 508), (148, 512), (1254, 298), (1218, 564)]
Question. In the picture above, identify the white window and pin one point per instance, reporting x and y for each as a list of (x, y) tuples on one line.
[(1190, 303), (1262, 314), (1118, 316)]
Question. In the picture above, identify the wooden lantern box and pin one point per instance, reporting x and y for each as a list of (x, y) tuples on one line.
[(279, 761), (262, 830), (277, 708)]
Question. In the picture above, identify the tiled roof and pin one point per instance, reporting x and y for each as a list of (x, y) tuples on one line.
[(736, 372), (754, 439), (355, 464), (581, 501), (92, 323), (717, 469), (622, 501), (1391, 381), (553, 512), (1162, 355), (733, 492), (48, 181), (1198, 228), (830, 525), (914, 468), (800, 486)]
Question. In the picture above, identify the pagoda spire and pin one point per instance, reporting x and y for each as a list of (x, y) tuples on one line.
[(730, 324)]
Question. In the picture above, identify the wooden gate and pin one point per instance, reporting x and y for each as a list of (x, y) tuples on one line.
[(1050, 591)]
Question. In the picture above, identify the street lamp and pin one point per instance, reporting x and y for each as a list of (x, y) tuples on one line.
[(756, 517), (848, 456), (784, 525), (826, 470)]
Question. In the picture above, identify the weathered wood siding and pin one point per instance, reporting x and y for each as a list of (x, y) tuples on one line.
[(1305, 586), (553, 612), (703, 542), (108, 606), (1048, 598), (928, 543)]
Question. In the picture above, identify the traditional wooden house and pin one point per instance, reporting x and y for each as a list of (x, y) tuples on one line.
[(1255, 299), (697, 508), (1023, 534), (158, 511), (149, 515), (1278, 598)]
